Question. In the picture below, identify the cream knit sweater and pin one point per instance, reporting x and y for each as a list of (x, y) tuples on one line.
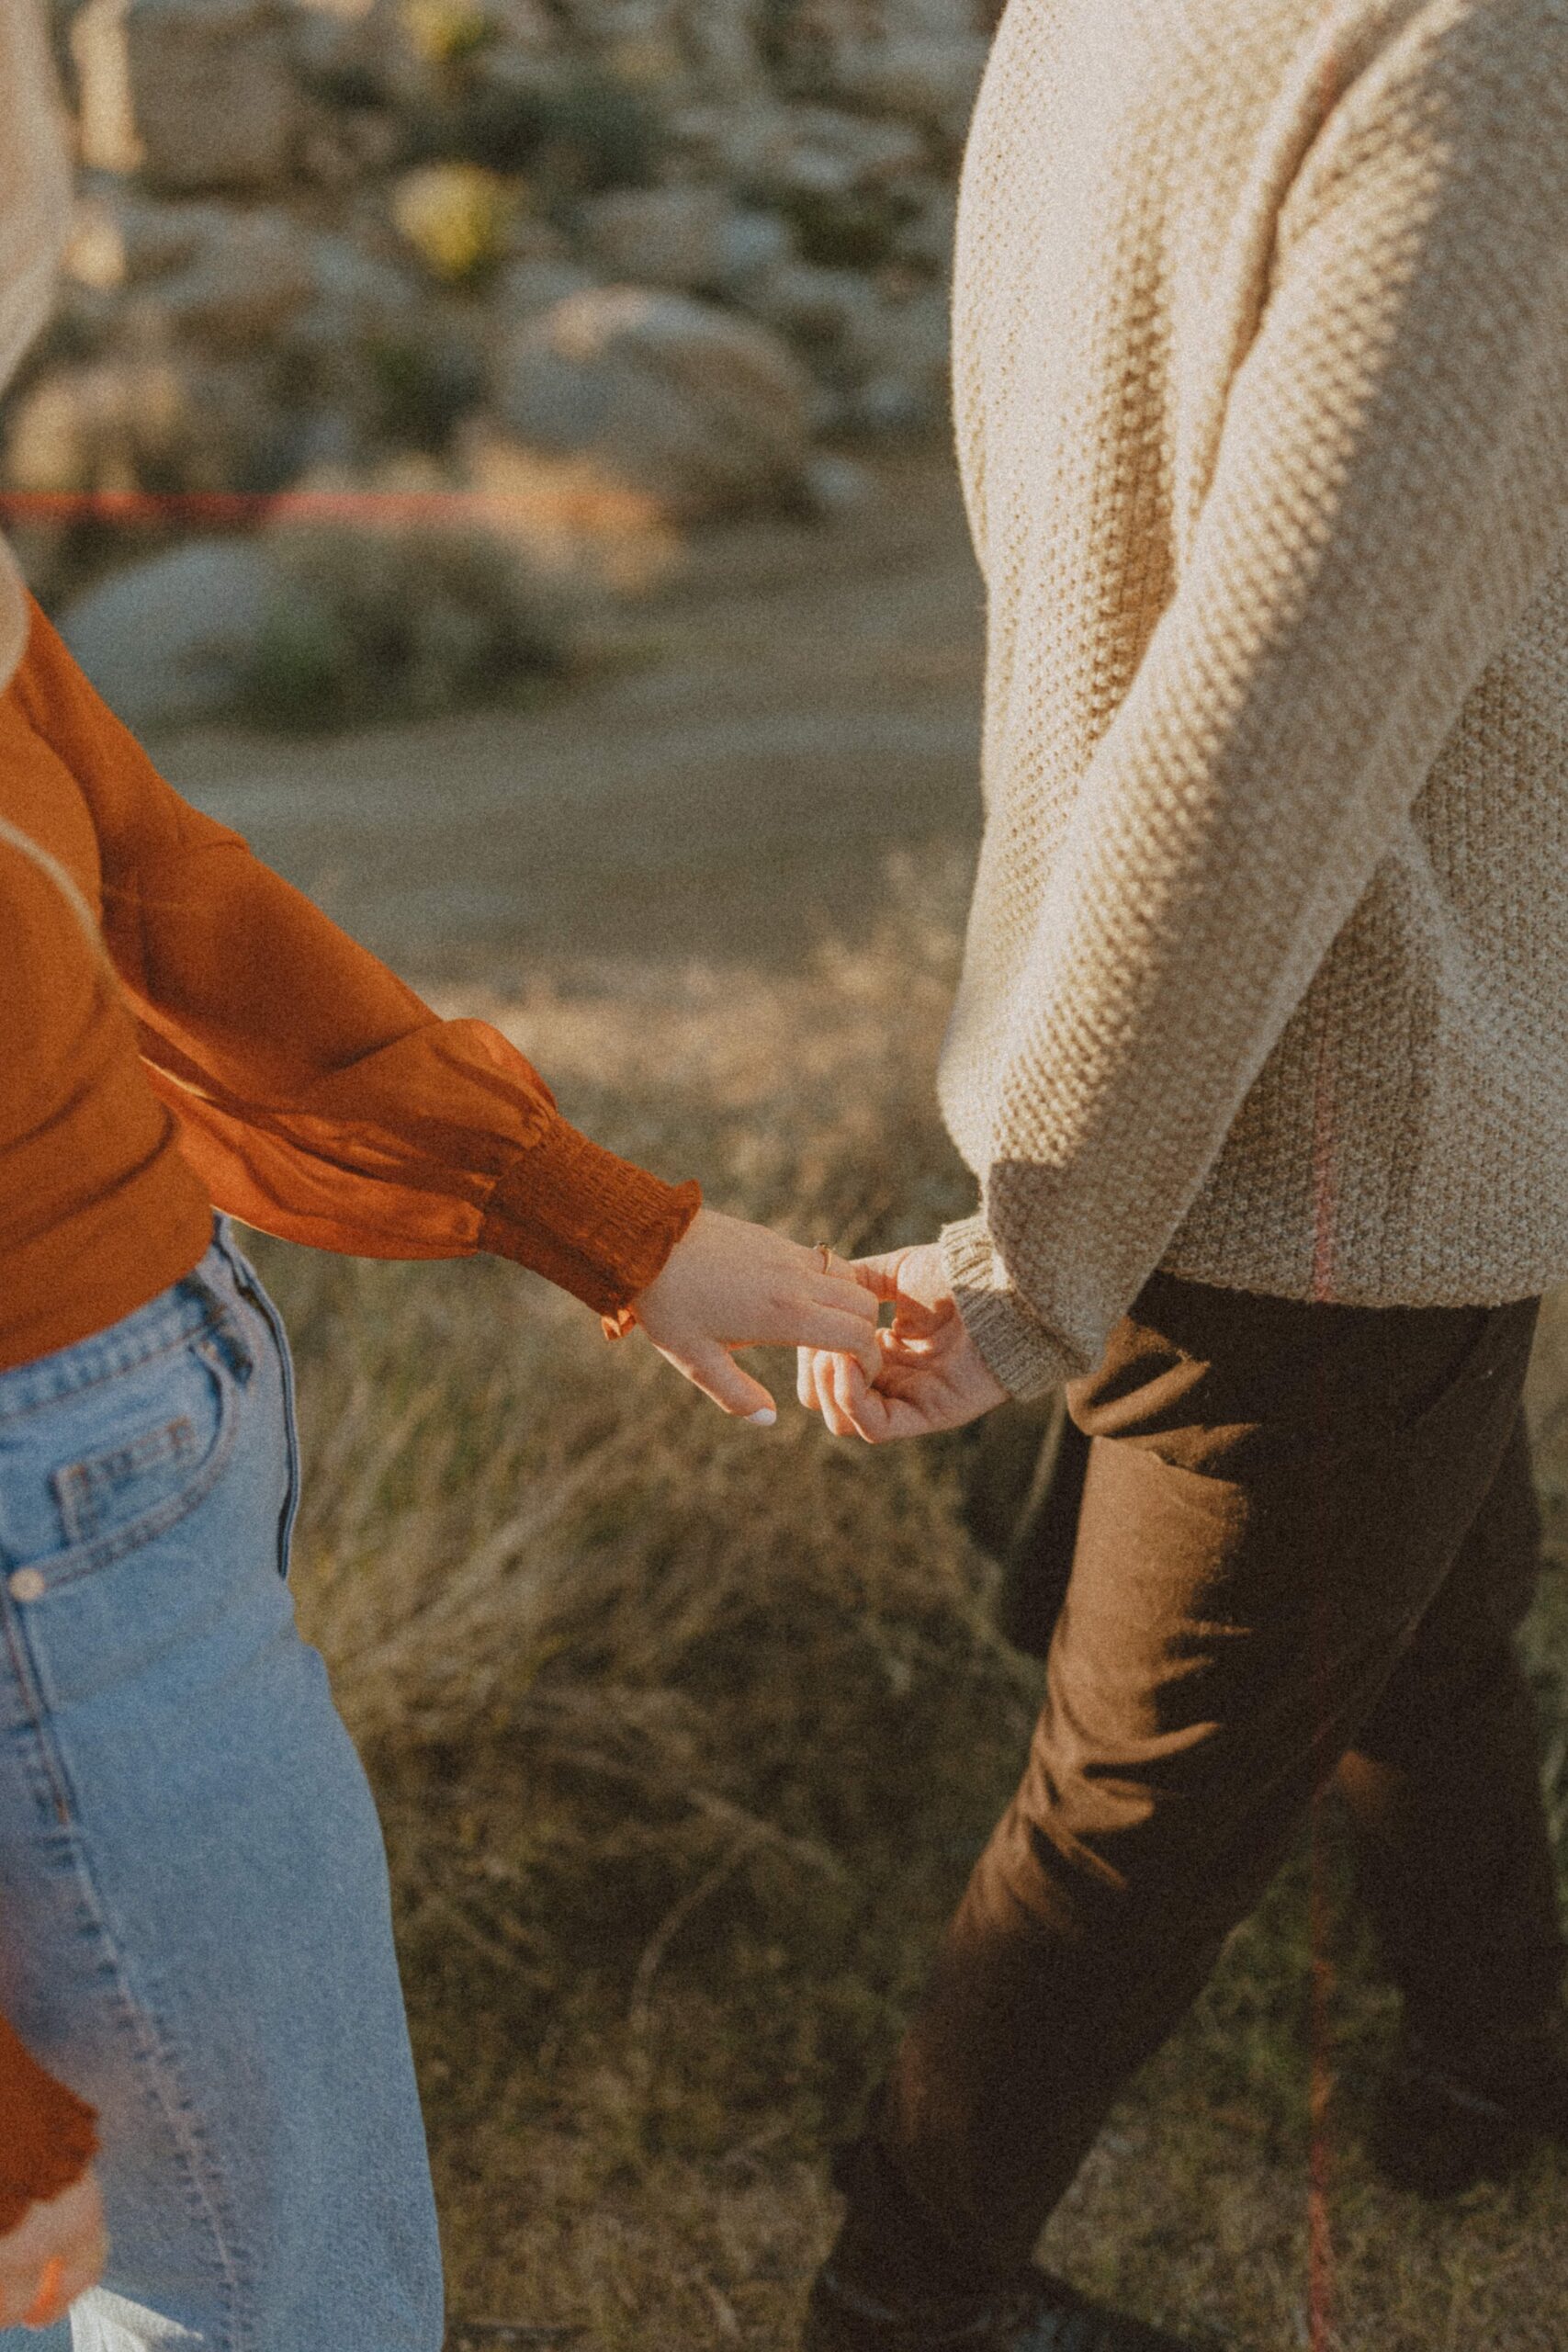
[(1262, 398)]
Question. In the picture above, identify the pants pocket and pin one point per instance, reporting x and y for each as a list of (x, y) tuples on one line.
[(108, 1473)]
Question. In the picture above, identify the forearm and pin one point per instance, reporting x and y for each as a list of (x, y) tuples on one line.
[(318, 1096)]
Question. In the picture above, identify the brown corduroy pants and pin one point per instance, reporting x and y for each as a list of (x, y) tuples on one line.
[(1306, 1538)]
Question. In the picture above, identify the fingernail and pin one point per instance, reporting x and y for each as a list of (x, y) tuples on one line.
[(763, 1418)]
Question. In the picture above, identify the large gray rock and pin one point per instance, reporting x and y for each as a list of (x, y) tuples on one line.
[(828, 312), (534, 285), (922, 79), (823, 152), (359, 292), (628, 27), (693, 238), (900, 352), (720, 41), (883, 355), (728, 140), (251, 274), (194, 94), (170, 641), (682, 404), (924, 238)]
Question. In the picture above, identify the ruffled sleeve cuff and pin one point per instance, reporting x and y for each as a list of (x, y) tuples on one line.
[(1015, 1343), (597, 1225), (46, 2134)]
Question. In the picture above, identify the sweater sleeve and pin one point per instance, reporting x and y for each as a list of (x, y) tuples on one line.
[(1388, 495), (317, 1096)]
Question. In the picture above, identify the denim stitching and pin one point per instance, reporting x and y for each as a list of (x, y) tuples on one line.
[(68, 1566), (212, 1324), (53, 1786), (86, 1489), (252, 1288), (157, 2063)]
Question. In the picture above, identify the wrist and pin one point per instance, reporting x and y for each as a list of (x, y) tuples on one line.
[(1016, 1350), (594, 1224)]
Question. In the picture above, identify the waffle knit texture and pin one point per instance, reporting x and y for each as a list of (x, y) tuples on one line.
[(1261, 326)]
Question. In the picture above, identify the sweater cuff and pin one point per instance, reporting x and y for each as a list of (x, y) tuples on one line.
[(47, 2139), (1015, 1343), (597, 1225)]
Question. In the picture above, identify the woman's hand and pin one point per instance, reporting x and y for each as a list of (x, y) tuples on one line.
[(729, 1284), (931, 1376), (55, 2253)]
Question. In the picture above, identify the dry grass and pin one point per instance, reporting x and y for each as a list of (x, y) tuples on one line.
[(684, 1737)]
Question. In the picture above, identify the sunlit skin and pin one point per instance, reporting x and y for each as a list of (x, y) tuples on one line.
[(55, 2253), (729, 1284), (931, 1374)]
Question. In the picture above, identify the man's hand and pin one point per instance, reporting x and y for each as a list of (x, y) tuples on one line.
[(55, 2253), (932, 1375), (729, 1284)]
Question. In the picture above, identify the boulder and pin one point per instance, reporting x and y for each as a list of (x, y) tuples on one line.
[(536, 284), (617, 26), (120, 240), (663, 236), (365, 359), (692, 238), (924, 239), (171, 640), (339, 150), (357, 292), (720, 41), (922, 79), (253, 273), (884, 355), (193, 93), (140, 423), (686, 405), (900, 352), (826, 311), (336, 54), (819, 152)]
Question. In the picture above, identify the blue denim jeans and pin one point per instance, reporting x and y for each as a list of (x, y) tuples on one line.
[(194, 1922)]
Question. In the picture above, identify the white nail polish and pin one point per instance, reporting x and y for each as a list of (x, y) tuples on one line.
[(763, 1418)]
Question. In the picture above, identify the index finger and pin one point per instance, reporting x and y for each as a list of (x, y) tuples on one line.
[(843, 1291), (839, 1334)]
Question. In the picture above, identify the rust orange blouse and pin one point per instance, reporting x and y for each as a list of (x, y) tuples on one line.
[(244, 1053)]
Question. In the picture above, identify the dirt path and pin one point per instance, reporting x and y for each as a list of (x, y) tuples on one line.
[(803, 700)]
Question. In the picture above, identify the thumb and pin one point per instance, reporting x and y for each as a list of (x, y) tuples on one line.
[(889, 1278), (712, 1370)]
